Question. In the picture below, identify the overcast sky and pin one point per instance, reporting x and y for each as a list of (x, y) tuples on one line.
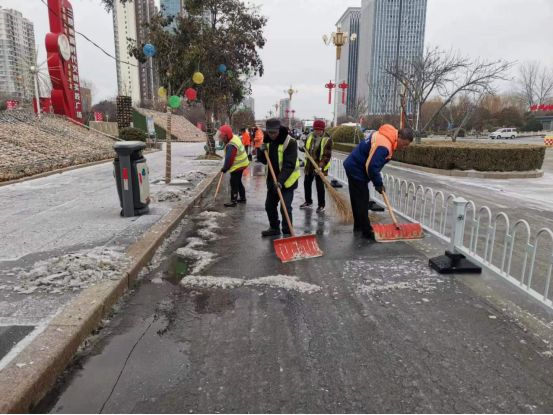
[(515, 30)]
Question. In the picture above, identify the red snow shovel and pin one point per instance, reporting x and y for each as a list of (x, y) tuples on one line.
[(395, 232), (296, 247)]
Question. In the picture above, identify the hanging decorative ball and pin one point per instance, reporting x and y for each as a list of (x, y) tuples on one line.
[(224, 97), (198, 78), (190, 94), (230, 74), (162, 92), (174, 101), (228, 77), (222, 68), (233, 107), (149, 50)]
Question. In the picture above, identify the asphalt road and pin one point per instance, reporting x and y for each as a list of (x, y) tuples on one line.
[(376, 331)]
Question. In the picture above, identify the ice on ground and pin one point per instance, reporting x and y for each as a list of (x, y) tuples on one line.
[(170, 195), (421, 285), (208, 215), (195, 242), (286, 282), (208, 230), (71, 272), (159, 255), (202, 258), (191, 175)]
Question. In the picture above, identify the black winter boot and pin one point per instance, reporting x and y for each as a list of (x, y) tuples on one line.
[(271, 232)]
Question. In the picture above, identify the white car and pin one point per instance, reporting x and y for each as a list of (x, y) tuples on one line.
[(504, 133)]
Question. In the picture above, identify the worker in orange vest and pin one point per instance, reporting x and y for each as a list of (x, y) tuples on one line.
[(258, 140), (246, 140)]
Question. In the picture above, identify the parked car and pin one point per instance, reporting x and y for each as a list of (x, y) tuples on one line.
[(504, 133), (367, 133)]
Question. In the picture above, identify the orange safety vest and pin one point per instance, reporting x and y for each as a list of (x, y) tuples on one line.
[(246, 138), (258, 140)]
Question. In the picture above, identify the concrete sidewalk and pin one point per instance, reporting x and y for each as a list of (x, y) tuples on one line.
[(48, 219), (367, 328)]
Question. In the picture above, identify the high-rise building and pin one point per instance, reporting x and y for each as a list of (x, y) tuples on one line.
[(171, 8), (284, 105), (137, 80), (378, 46), (349, 59), (17, 41), (250, 104)]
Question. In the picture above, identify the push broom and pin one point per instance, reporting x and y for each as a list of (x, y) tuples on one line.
[(396, 232), (341, 204), (296, 247)]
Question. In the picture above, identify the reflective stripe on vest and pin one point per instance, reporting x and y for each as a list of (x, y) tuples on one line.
[(241, 158), (323, 144), (281, 149)]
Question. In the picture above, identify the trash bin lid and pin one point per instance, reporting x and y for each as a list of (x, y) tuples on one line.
[(126, 148)]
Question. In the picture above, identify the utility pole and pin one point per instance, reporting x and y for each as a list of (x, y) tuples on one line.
[(397, 51)]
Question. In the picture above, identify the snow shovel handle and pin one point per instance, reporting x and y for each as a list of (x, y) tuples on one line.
[(280, 195), (219, 185), (390, 209)]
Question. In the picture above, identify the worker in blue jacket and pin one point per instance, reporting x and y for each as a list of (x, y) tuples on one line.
[(364, 164)]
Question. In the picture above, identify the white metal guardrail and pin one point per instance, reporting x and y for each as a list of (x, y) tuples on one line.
[(474, 233)]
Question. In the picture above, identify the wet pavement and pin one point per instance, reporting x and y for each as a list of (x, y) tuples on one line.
[(368, 327)]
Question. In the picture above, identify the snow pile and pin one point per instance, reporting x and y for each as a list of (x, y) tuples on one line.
[(170, 194), (192, 175), (286, 282), (202, 258), (71, 272), (195, 242), (158, 256), (209, 225)]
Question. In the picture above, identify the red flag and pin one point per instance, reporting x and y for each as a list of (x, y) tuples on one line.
[(541, 107), (548, 108), (98, 116), (534, 108)]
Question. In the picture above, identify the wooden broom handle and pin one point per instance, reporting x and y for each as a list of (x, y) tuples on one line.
[(390, 209), (219, 185), (280, 195)]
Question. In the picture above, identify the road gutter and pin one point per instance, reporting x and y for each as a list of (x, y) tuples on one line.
[(28, 377)]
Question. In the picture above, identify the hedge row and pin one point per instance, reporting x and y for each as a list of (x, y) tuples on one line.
[(344, 134), (473, 156), (468, 156)]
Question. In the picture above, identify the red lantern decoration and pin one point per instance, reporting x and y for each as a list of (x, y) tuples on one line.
[(330, 85), (287, 112), (190, 94), (343, 86)]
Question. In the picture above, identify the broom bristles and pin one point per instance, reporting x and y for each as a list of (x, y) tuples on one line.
[(340, 203)]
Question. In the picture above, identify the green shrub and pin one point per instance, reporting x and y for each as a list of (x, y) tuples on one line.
[(473, 156), (132, 134), (532, 125), (331, 130), (345, 134)]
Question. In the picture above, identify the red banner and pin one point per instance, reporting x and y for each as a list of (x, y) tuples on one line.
[(98, 116), (62, 60)]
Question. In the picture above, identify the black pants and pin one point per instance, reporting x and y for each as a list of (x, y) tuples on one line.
[(247, 148), (271, 204), (308, 184), (236, 186), (359, 195)]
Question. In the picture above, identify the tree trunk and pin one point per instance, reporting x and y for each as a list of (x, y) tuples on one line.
[(418, 139), (210, 132)]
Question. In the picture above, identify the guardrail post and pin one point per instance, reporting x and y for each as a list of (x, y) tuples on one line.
[(457, 222)]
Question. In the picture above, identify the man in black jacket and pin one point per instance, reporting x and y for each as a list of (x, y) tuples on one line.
[(287, 171)]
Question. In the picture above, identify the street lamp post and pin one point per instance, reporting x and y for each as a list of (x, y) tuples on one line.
[(339, 39), (276, 108), (290, 93)]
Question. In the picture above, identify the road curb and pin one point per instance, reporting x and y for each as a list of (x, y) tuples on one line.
[(471, 174), (45, 358)]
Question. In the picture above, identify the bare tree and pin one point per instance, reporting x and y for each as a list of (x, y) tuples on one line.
[(534, 83), (458, 112), (358, 108), (446, 74)]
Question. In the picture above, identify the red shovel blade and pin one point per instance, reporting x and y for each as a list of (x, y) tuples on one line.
[(406, 232), (299, 247)]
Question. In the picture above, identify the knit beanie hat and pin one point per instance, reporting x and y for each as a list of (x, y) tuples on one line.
[(226, 130), (319, 125)]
